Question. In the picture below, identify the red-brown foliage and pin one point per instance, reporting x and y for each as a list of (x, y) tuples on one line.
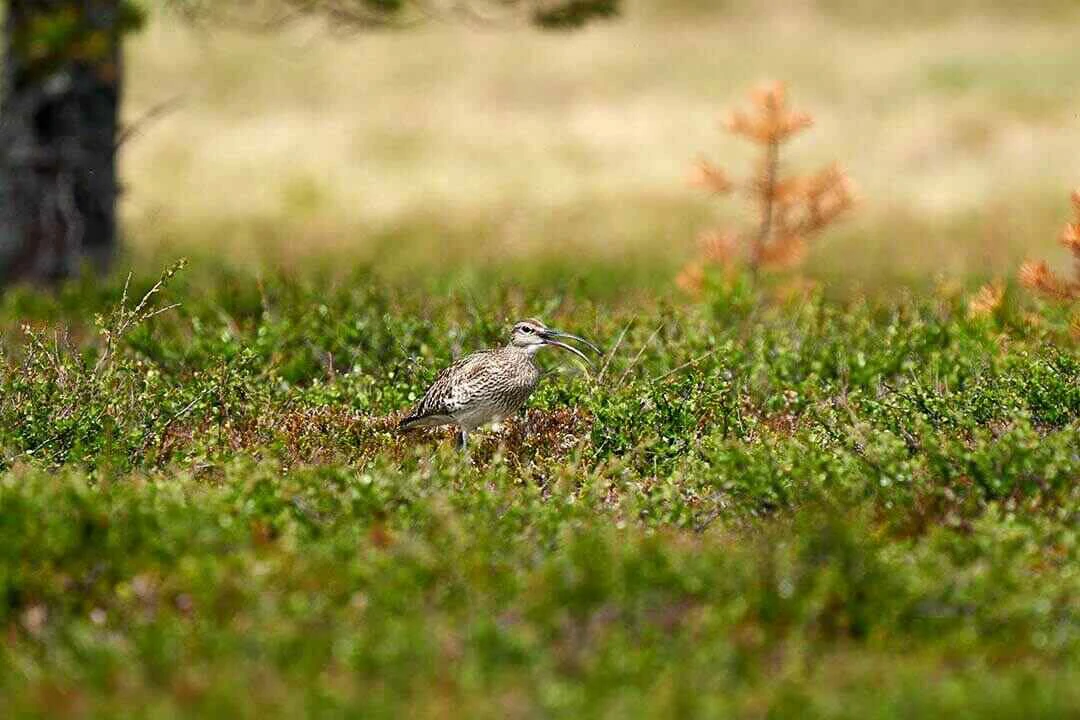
[(791, 210)]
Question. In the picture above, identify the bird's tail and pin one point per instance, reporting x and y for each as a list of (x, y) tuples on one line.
[(412, 422)]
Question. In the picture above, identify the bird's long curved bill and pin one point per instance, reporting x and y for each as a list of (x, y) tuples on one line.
[(571, 348), (550, 335)]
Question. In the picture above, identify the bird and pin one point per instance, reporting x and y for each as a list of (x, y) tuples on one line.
[(489, 385)]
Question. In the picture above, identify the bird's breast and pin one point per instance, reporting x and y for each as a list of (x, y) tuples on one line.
[(518, 382)]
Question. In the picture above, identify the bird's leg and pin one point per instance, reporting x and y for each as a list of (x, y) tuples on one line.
[(462, 440), (527, 423)]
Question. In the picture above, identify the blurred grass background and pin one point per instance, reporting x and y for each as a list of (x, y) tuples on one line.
[(458, 148)]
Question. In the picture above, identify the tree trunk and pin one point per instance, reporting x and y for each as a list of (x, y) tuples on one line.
[(58, 132)]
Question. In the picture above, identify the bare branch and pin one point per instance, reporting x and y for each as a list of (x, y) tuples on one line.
[(368, 15), (155, 113)]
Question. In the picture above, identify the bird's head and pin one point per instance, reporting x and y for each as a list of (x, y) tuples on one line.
[(532, 335)]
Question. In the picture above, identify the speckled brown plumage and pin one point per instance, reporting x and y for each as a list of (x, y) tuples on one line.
[(486, 386), (493, 383)]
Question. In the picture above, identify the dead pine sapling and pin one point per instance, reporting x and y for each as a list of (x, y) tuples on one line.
[(1036, 275), (790, 210)]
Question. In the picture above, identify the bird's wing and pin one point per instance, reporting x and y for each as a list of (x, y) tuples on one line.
[(454, 388)]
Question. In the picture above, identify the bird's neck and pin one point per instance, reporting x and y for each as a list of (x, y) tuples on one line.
[(528, 350)]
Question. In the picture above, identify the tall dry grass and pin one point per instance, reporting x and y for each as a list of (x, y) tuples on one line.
[(486, 145)]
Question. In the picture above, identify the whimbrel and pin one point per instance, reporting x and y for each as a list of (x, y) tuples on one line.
[(489, 385)]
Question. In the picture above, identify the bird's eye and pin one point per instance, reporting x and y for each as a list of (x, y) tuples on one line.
[(527, 329)]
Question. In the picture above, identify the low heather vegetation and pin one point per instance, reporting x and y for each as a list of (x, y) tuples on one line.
[(755, 504)]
